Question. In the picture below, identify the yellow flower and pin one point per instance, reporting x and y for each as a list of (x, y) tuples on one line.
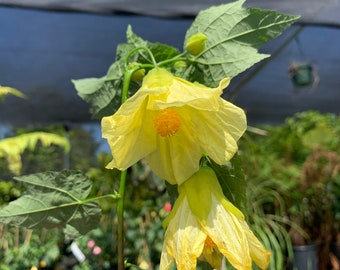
[(171, 122), (204, 225)]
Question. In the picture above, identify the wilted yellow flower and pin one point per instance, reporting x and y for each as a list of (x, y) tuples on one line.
[(171, 122), (204, 225)]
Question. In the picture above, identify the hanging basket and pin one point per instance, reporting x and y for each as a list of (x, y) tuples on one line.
[(302, 74)]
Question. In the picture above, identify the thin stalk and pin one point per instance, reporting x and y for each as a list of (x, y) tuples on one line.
[(16, 237), (179, 57), (120, 214), (122, 183), (138, 49), (28, 235)]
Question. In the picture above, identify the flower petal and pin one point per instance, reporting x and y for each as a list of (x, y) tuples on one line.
[(258, 253), (227, 233), (214, 258), (220, 132), (125, 132), (184, 238), (177, 157), (184, 93), (167, 261)]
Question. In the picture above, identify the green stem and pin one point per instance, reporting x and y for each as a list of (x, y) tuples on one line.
[(120, 214), (138, 49), (120, 203), (126, 84), (179, 57), (111, 196)]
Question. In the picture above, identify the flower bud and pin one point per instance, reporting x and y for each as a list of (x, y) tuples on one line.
[(138, 74), (180, 65), (196, 43)]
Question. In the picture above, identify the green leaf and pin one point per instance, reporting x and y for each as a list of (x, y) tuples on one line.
[(99, 93), (12, 148), (232, 180), (104, 94), (54, 199), (234, 35)]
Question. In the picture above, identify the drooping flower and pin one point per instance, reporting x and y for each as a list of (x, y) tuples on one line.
[(171, 122), (204, 225)]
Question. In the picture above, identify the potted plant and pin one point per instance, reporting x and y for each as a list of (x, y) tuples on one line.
[(301, 159), (315, 205)]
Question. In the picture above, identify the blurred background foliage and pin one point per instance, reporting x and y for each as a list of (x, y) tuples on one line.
[(293, 180)]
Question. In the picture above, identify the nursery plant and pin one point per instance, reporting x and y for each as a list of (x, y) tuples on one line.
[(299, 161), (163, 106)]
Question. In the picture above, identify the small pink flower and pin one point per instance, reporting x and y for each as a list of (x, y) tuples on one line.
[(167, 207), (91, 244), (96, 250)]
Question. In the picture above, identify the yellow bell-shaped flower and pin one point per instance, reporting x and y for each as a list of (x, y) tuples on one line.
[(171, 122), (204, 225)]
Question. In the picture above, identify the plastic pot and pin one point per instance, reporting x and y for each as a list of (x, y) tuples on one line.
[(305, 257)]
